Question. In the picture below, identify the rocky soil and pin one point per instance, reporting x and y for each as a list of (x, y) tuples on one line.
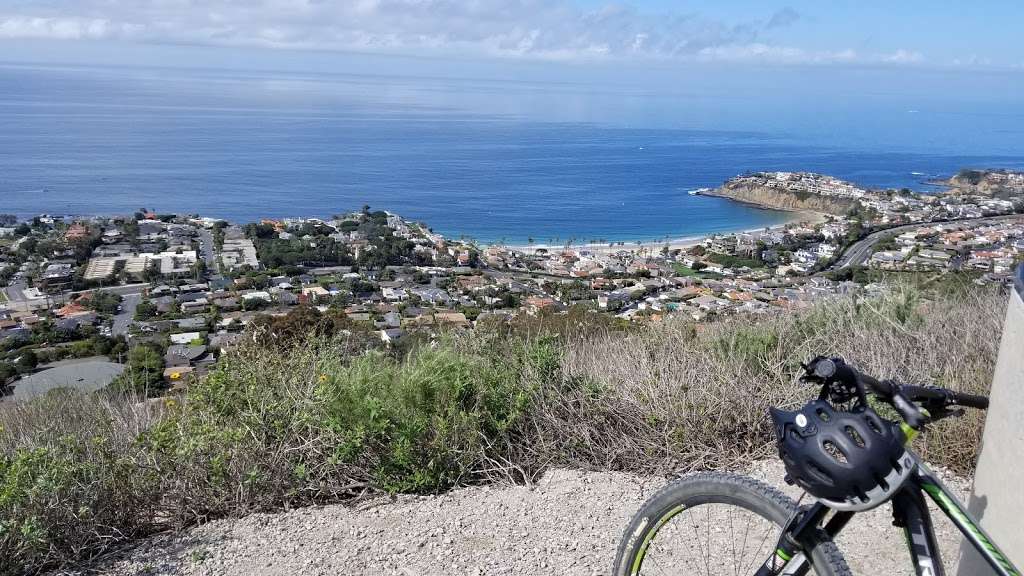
[(569, 523)]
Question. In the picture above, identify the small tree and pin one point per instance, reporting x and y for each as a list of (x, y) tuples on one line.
[(145, 310), (250, 304), (7, 371), (143, 372), (27, 362)]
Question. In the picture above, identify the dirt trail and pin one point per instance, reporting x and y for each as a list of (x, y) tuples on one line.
[(569, 523)]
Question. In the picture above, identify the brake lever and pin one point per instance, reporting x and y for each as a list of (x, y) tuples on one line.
[(908, 410), (944, 412)]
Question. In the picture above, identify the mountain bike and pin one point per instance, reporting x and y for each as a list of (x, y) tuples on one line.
[(719, 523)]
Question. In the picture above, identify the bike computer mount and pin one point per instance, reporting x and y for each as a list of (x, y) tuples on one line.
[(839, 383)]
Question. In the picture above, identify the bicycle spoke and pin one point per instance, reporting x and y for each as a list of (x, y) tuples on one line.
[(764, 538), (743, 546), (707, 529), (696, 537), (717, 540), (732, 543)]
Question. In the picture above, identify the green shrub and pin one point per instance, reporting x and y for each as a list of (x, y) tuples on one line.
[(425, 423), (751, 345), (313, 423), (71, 489)]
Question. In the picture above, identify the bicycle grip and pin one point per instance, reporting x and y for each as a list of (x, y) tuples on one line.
[(971, 400)]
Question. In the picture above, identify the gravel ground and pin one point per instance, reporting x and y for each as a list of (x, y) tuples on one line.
[(569, 523)]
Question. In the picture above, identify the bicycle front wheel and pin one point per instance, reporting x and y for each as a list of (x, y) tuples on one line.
[(713, 524)]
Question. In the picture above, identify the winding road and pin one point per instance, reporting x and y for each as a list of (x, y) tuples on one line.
[(861, 250)]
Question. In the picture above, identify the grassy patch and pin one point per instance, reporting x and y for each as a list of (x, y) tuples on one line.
[(684, 271), (734, 261)]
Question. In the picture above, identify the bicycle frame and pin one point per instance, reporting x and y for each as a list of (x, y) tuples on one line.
[(910, 512)]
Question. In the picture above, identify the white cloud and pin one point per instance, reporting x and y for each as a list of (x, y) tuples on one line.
[(776, 54), (539, 29), (56, 28), (902, 56), (974, 60)]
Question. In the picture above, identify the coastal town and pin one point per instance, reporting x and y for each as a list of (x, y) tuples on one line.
[(147, 301)]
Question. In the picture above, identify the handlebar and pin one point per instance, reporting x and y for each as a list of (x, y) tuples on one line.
[(951, 397), (842, 382)]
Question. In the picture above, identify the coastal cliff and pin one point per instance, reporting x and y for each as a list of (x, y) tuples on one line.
[(783, 199), (990, 183)]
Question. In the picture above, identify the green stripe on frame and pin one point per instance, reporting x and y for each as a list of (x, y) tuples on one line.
[(949, 506)]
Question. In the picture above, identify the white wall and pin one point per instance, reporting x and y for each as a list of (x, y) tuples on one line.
[(997, 499)]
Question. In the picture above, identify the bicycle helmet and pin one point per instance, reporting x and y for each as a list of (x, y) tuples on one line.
[(847, 460)]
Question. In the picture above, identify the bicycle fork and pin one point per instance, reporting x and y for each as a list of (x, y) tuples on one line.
[(799, 535)]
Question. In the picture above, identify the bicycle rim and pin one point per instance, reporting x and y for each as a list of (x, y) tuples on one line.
[(709, 539)]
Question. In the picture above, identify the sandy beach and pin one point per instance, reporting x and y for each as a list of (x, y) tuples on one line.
[(806, 218)]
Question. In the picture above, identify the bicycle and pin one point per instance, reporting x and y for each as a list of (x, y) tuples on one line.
[(752, 528)]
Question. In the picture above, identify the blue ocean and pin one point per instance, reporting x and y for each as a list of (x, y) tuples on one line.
[(494, 160)]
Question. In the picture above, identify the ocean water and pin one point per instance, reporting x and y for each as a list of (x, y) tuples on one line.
[(487, 159)]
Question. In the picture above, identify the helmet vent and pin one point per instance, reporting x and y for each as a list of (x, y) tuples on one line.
[(873, 424), (855, 436), (819, 473), (835, 452), (823, 415)]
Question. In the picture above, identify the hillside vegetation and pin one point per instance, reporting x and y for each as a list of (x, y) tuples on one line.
[(323, 420)]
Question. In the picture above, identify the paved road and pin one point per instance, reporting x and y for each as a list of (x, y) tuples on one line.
[(209, 254), (16, 297), (860, 251), (206, 247), (122, 321), (123, 290), (15, 291)]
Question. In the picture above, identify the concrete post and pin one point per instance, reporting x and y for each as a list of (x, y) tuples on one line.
[(997, 497)]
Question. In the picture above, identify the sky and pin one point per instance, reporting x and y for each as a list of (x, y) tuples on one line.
[(919, 34)]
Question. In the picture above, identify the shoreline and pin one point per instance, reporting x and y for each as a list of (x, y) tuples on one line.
[(642, 245), (681, 243)]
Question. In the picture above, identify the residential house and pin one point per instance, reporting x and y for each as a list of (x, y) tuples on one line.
[(228, 304), (183, 355), (56, 277), (394, 294), (537, 304), (432, 295), (186, 337), (194, 306), (457, 319)]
